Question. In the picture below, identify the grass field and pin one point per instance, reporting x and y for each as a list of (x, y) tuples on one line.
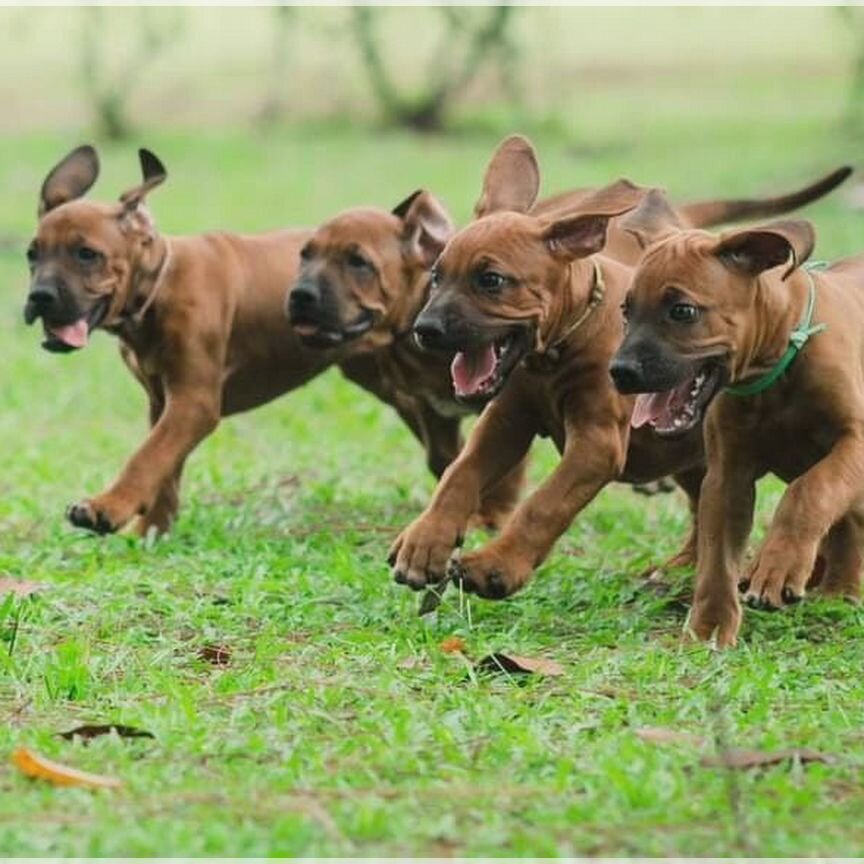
[(338, 724)]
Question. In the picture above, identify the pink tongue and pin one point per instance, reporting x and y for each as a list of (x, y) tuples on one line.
[(650, 407), (470, 370), (74, 335)]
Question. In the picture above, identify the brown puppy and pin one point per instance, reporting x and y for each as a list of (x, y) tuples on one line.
[(531, 312), (200, 322), (369, 268), (373, 265), (706, 313)]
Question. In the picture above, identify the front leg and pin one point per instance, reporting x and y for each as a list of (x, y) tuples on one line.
[(193, 385), (160, 517), (592, 458), (811, 504), (496, 446), (726, 502)]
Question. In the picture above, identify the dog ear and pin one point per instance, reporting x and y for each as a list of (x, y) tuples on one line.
[(426, 226), (70, 178), (153, 172), (756, 249), (652, 220), (400, 211), (583, 233), (512, 178)]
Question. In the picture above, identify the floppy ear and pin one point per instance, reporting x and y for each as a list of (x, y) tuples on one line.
[(756, 249), (426, 226), (583, 233), (652, 220), (153, 172), (512, 178), (70, 178)]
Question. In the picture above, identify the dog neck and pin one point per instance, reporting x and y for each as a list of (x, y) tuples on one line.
[(147, 283), (575, 310), (398, 322), (778, 307)]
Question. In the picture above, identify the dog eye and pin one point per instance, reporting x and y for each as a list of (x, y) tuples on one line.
[(306, 253), (490, 281), (86, 255), (684, 313), (357, 261), (32, 253)]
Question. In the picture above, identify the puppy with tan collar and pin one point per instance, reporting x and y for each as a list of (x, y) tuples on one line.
[(528, 307), (199, 319)]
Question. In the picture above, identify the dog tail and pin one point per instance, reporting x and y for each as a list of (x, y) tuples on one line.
[(704, 214)]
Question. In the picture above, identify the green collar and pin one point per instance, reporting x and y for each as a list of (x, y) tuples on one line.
[(798, 338)]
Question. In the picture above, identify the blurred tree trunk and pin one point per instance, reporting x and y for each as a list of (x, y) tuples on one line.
[(853, 18), (110, 89), (274, 108), (482, 41)]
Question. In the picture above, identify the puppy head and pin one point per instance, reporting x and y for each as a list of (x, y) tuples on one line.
[(689, 310), (499, 285), (86, 254), (365, 270)]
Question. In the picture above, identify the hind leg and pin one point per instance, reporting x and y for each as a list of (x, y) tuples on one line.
[(842, 552), (160, 517), (690, 482)]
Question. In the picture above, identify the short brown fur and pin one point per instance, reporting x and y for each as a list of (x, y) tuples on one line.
[(807, 428)]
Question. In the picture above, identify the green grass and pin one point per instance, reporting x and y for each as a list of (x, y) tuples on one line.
[(339, 726)]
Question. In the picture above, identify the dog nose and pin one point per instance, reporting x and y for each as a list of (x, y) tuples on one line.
[(429, 333), (304, 296), (43, 296), (627, 374)]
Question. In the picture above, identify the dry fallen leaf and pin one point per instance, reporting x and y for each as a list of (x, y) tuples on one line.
[(452, 645), (218, 655), (33, 765), (658, 735), (19, 587), (90, 731), (744, 759), (514, 664)]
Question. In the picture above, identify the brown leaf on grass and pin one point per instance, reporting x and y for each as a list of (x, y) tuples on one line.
[(516, 665), (659, 735), (217, 655), (88, 732), (452, 645), (744, 759), (19, 587), (39, 768)]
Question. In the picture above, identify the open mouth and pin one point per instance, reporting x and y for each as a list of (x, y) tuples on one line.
[(63, 338), (679, 410), (479, 373), (320, 335)]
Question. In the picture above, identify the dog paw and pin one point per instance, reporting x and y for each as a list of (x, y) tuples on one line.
[(716, 622), (104, 515), (419, 556), (85, 515), (779, 578), (489, 574)]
